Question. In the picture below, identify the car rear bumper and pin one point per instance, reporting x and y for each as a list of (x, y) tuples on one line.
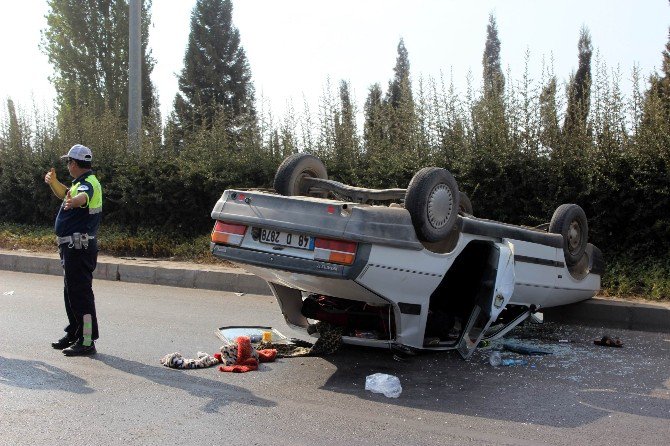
[(278, 261)]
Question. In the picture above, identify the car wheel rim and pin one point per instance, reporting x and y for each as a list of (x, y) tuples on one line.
[(574, 236), (440, 206)]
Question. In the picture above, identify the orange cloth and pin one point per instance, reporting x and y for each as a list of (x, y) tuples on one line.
[(245, 358)]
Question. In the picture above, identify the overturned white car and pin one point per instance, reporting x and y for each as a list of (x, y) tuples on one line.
[(419, 273)]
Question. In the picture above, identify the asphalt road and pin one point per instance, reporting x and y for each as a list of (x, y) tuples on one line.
[(580, 394)]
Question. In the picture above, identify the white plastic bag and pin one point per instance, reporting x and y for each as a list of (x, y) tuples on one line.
[(389, 385)]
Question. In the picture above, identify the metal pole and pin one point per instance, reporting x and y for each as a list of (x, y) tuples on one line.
[(134, 77)]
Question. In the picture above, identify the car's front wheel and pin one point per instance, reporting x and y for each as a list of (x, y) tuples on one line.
[(433, 200)]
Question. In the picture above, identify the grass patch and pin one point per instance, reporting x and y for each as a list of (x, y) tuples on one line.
[(648, 278), (115, 241)]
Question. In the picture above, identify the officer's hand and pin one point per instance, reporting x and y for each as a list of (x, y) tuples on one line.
[(68, 201), (50, 177)]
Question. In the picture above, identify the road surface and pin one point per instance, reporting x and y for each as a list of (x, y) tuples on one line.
[(580, 394)]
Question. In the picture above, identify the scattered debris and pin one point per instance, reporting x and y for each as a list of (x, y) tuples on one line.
[(238, 357), (525, 350), (497, 360), (607, 341), (177, 361), (388, 385), (243, 357)]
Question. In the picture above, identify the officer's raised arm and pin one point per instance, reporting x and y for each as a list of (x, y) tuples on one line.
[(56, 186)]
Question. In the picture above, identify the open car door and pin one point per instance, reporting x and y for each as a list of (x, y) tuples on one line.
[(495, 291)]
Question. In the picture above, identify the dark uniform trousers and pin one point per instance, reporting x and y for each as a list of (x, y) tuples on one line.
[(79, 265)]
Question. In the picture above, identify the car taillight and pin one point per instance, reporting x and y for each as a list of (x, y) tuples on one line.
[(228, 233), (335, 251)]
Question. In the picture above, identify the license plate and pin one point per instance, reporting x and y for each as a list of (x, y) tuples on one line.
[(287, 239)]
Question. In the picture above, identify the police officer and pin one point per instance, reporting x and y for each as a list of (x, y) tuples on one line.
[(76, 231)]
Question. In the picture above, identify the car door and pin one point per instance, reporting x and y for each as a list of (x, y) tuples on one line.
[(495, 291)]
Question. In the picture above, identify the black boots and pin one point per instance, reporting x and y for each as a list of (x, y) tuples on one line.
[(79, 349), (63, 342)]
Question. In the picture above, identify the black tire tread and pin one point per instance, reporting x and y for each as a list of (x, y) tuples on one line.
[(560, 221), (286, 170), (465, 205)]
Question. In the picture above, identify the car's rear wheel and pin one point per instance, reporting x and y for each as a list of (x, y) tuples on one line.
[(432, 199), (569, 220), (466, 205), (291, 172)]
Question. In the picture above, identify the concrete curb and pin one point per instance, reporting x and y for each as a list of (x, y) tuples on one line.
[(595, 312), (144, 271), (613, 314)]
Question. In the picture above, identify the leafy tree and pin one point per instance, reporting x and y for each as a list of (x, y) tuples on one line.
[(216, 77), (87, 44)]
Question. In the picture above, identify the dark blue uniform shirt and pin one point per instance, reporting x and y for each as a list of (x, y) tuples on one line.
[(78, 219)]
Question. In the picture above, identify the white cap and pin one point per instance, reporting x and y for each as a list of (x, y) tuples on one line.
[(79, 152)]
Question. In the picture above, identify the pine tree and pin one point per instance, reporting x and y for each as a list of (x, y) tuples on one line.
[(87, 44), (216, 77)]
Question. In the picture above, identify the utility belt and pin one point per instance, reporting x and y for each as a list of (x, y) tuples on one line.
[(76, 240)]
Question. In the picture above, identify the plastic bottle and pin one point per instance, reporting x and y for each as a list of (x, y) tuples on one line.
[(508, 362), (495, 360)]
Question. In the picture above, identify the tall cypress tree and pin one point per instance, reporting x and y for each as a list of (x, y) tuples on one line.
[(346, 137), (87, 44), (490, 124), (401, 107), (579, 89), (659, 85), (400, 88), (493, 78), (375, 131), (549, 123), (216, 77)]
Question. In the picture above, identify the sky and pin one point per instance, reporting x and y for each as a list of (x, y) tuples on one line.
[(295, 47)]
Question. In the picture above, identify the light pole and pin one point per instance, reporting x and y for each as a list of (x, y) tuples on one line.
[(134, 77)]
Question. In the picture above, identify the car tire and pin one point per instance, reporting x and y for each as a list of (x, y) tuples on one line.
[(288, 179), (569, 220), (465, 206), (432, 199)]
